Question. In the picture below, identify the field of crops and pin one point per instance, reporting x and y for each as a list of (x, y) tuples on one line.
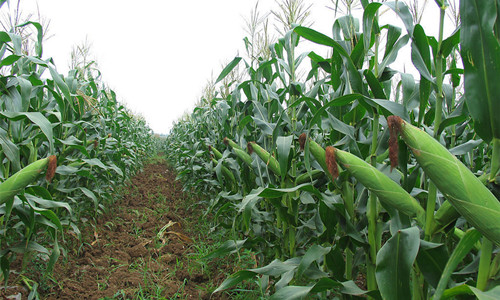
[(69, 128), (354, 178), (341, 176)]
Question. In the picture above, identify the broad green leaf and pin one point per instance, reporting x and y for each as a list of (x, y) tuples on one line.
[(481, 59), (228, 247), (391, 56), (10, 150), (228, 69), (390, 106), (461, 250), (91, 195), (9, 60), (341, 101), (49, 203), (275, 192), (314, 253), (493, 294), (375, 86), (291, 292), (30, 246), (400, 8), (276, 268), (394, 263), (234, 279), (465, 147), (284, 147), (95, 162), (431, 261), (36, 117), (39, 28), (369, 15), (58, 79)]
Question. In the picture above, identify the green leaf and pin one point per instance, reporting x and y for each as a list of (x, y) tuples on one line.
[(58, 79), (38, 44), (391, 56), (228, 69), (91, 195), (10, 150), (234, 279), (276, 193), (390, 107), (340, 101), (9, 60), (481, 60), (276, 268), (375, 86), (284, 147), (36, 117), (465, 147), (461, 250), (228, 247), (420, 52), (291, 292), (431, 261), (369, 15), (463, 289), (493, 294), (400, 8), (316, 252), (394, 263)]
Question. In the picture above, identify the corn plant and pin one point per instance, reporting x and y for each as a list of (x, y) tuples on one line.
[(309, 173), (70, 128)]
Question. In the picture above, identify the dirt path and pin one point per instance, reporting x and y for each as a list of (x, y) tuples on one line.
[(146, 247)]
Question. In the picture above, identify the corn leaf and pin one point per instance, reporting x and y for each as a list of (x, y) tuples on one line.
[(394, 263), (464, 246)]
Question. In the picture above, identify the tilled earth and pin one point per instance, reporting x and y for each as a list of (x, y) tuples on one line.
[(141, 248)]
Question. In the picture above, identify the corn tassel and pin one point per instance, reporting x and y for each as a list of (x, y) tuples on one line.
[(457, 183)]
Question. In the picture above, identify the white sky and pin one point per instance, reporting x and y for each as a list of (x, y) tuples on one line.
[(157, 55)]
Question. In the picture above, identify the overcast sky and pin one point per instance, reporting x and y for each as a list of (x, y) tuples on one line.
[(157, 55)]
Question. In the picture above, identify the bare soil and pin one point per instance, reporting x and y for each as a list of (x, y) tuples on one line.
[(142, 248)]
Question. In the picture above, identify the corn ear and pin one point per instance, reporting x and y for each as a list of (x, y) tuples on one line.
[(457, 183), (245, 157), (443, 216), (231, 143), (319, 154), (226, 172), (387, 191), (17, 182), (216, 152), (306, 177), (270, 160)]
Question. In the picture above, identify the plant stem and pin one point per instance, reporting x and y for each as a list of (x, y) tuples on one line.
[(429, 210), (495, 159), (432, 195), (372, 214), (484, 264)]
